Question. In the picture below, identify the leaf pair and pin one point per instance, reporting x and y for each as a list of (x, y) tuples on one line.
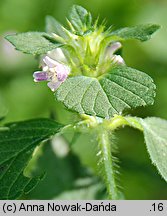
[(80, 21)]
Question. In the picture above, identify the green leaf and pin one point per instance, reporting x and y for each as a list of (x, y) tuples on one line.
[(32, 42), (140, 32), (53, 26), (80, 18), (17, 144), (155, 134), (123, 88)]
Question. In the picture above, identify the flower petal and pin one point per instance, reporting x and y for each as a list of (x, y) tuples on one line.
[(40, 76), (57, 55), (114, 47), (50, 62), (54, 85), (62, 72), (110, 50), (118, 59)]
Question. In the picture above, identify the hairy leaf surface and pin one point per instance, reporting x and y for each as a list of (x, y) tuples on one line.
[(140, 32), (155, 134), (32, 42), (80, 18), (123, 88)]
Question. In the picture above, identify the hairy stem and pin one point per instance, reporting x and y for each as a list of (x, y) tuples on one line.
[(107, 164)]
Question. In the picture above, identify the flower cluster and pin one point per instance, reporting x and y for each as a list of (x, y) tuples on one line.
[(56, 69)]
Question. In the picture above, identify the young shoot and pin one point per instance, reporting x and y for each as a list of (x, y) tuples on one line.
[(82, 67)]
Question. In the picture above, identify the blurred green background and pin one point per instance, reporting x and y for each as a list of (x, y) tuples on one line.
[(70, 163)]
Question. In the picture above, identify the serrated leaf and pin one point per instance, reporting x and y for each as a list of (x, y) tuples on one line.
[(17, 144), (80, 18), (53, 26), (123, 88), (140, 32), (32, 42), (155, 134)]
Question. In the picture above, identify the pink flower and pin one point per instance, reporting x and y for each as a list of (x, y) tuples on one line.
[(52, 71), (110, 53)]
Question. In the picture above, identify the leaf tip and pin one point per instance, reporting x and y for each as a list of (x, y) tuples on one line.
[(154, 28), (9, 37)]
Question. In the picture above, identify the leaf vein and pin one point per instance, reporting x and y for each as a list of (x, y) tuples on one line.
[(128, 91)]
